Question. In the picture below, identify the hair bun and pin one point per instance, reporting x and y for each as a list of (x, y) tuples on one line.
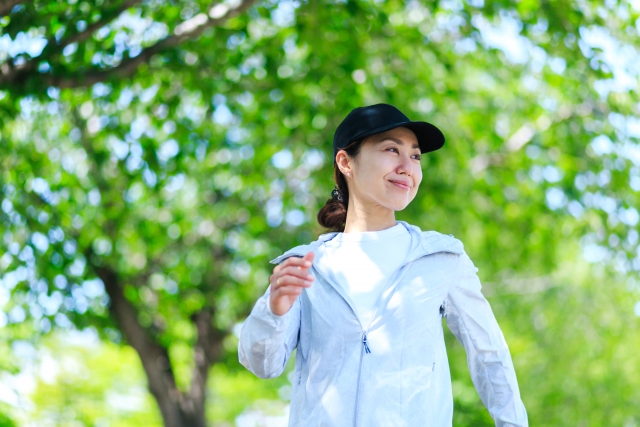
[(333, 215)]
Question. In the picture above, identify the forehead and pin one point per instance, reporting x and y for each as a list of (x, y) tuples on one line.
[(400, 135)]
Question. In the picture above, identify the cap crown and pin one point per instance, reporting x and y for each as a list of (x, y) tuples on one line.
[(362, 121)]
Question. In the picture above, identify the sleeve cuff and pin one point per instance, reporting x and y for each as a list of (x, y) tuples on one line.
[(277, 321)]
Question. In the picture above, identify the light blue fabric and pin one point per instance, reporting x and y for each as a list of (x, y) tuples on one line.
[(394, 371)]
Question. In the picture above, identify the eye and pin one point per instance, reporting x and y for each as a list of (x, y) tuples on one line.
[(417, 156)]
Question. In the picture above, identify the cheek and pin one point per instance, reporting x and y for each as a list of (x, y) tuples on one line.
[(417, 177)]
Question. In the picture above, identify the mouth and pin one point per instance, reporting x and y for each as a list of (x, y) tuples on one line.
[(400, 184)]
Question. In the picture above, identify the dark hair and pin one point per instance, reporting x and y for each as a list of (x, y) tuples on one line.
[(333, 214)]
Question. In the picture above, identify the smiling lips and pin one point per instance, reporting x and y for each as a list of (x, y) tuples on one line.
[(401, 184)]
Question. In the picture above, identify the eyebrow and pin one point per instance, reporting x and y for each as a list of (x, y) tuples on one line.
[(397, 141)]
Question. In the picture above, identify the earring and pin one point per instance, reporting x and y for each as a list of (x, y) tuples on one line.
[(348, 173)]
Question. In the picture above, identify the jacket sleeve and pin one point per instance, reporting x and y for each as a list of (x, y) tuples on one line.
[(471, 320), (267, 340)]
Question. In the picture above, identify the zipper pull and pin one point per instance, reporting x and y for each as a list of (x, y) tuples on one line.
[(364, 342)]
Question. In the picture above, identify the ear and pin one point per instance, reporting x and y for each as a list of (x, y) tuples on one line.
[(344, 162)]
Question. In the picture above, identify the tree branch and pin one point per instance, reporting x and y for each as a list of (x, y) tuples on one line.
[(10, 73), (7, 5), (107, 18), (188, 29)]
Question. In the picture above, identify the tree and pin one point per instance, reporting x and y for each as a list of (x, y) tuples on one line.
[(88, 381), (156, 155)]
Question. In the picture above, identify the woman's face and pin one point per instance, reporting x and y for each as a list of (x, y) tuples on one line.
[(387, 172)]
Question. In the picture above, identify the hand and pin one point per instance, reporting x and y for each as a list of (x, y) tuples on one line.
[(288, 280)]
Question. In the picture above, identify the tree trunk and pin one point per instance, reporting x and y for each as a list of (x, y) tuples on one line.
[(178, 409)]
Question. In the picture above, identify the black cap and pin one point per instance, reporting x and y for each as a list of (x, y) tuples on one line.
[(365, 121)]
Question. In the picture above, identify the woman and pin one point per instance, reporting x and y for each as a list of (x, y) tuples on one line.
[(363, 304)]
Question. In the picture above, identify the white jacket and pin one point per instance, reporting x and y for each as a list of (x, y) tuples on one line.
[(393, 371)]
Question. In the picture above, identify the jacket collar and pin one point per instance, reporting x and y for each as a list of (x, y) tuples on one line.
[(422, 243)]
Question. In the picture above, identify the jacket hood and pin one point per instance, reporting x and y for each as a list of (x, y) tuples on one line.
[(422, 243)]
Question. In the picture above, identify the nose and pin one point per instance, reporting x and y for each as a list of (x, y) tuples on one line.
[(405, 166)]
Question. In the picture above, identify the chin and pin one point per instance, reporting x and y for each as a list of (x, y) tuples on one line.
[(395, 202), (398, 206)]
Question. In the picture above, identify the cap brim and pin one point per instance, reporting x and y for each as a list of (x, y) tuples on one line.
[(430, 138)]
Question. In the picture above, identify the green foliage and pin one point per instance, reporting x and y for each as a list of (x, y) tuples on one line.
[(91, 383), (183, 163), (234, 390), (572, 336), (5, 421), (81, 379)]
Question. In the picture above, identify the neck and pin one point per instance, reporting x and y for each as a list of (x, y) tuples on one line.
[(366, 217)]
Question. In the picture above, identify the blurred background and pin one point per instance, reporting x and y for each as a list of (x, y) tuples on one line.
[(155, 155)]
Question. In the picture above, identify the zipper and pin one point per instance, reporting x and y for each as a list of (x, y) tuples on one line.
[(365, 346), (355, 411), (364, 341), (364, 338), (400, 272)]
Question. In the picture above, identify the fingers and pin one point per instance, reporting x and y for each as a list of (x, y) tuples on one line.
[(294, 265), (302, 273), (288, 280), (292, 273), (294, 261)]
